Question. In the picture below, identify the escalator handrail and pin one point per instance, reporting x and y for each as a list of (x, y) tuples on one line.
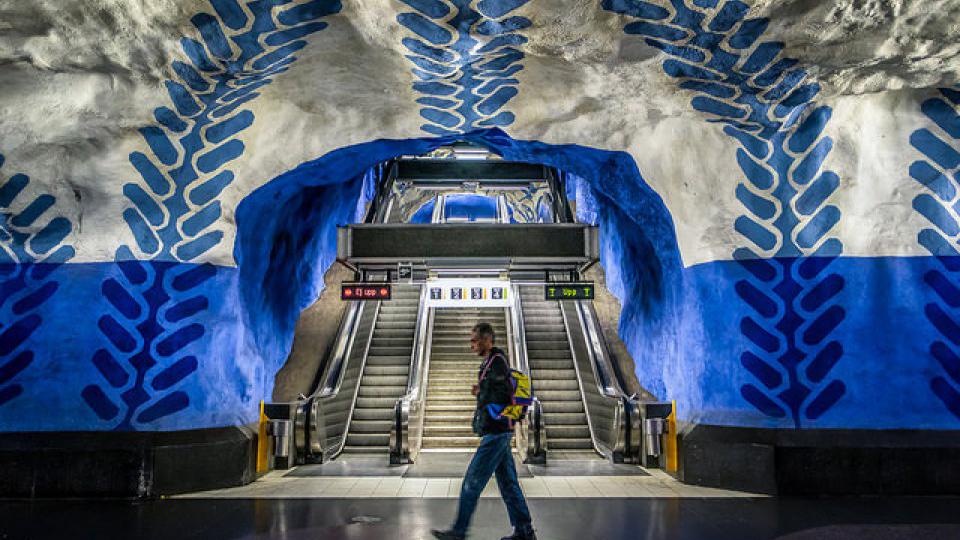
[(401, 448), (610, 379), (530, 431), (609, 448), (341, 352)]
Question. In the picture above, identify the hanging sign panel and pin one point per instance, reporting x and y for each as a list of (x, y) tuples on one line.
[(467, 293), (365, 291), (569, 291)]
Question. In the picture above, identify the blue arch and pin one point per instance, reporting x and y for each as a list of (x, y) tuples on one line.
[(286, 237)]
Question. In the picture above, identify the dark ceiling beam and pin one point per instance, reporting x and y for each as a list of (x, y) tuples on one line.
[(459, 170)]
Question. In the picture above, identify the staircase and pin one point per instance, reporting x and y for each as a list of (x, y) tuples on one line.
[(453, 371), (385, 373), (554, 377)]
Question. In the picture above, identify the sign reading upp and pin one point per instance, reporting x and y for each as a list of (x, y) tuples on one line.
[(939, 173), (465, 60), (32, 246), (158, 303), (767, 106)]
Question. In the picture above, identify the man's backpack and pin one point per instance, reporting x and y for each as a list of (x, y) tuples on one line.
[(521, 397)]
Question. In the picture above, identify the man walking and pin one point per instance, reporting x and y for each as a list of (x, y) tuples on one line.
[(494, 455)]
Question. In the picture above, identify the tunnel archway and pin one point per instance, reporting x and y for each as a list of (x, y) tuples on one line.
[(286, 239)]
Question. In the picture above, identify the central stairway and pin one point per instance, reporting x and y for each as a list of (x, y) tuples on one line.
[(453, 371), (554, 377)]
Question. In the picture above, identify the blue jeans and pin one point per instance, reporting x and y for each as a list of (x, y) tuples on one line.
[(493, 456)]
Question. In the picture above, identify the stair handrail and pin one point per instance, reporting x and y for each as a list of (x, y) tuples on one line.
[(531, 441), (408, 410)]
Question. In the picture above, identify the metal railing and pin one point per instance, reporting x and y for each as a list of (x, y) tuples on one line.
[(531, 441), (612, 415), (406, 433)]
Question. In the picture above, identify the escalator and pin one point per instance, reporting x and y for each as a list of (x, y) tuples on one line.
[(385, 372), (453, 371), (554, 377)]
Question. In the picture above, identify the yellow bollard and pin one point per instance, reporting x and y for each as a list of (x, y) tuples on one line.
[(263, 444), (671, 443)]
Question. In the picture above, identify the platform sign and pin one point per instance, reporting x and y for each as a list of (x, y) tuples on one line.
[(365, 291), (452, 293), (569, 291)]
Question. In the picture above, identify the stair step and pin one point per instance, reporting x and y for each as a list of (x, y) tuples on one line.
[(452, 406), (451, 442)]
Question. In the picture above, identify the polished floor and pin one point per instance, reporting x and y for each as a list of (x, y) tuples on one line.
[(555, 519)]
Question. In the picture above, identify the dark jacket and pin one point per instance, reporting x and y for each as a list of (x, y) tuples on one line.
[(495, 389)]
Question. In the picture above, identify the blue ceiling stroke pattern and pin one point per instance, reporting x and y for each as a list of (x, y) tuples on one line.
[(765, 103), (939, 173), (156, 305), (465, 55), (32, 246)]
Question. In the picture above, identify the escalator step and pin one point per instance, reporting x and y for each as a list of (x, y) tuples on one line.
[(567, 432), (370, 426), (368, 439), (557, 384), (565, 419), (542, 374), (571, 444), (551, 407), (385, 413), (401, 370), (367, 390)]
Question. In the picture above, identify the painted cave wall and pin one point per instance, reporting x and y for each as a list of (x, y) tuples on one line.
[(776, 186)]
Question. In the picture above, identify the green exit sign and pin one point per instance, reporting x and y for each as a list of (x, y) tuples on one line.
[(568, 291)]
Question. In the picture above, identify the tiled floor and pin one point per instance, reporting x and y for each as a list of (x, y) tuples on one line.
[(278, 484)]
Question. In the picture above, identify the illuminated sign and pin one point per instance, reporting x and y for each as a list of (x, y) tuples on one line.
[(365, 291), (452, 293), (568, 291)]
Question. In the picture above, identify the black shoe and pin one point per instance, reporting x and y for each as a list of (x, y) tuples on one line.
[(446, 535), (518, 536)]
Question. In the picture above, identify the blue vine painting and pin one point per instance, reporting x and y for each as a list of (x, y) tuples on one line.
[(157, 297), (33, 244), (938, 171), (465, 60), (766, 103)]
